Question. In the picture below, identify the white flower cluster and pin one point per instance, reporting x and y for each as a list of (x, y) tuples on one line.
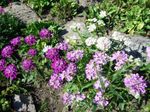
[(103, 14)]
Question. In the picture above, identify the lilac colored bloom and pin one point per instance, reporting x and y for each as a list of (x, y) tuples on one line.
[(30, 40), (52, 54), (7, 51), (54, 81), (16, 41), (79, 97), (75, 56), (148, 52), (2, 64), (59, 65), (100, 58), (121, 58), (69, 73), (62, 46), (32, 52), (101, 84), (11, 71), (1, 10), (68, 98), (136, 84), (100, 100), (27, 64), (45, 33), (92, 70)]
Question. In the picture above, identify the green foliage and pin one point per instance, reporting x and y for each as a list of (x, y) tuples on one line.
[(9, 28), (65, 9), (129, 16)]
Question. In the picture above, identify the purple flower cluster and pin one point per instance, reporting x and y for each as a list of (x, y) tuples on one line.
[(136, 84), (45, 33), (59, 65), (52, 54), (100, 100), (100, 58), (148, 52), (75, 56), (62, 46), (68, 98), (69, 73), (32, 52), (2, 64), (30, 40), (55, 81), (27, 65), (7, 51), (16, 41), (101, 84), (1, 10), (121, 58), (11, 71)]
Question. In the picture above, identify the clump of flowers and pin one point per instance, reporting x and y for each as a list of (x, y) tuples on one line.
[(59, 65), (30, 40), (15, 41), (121, 58), (100, 100), (90, 41), (46, 48), (55, 81), (1, 10), (75, 55), (45, 33), (148, 52), (136, 84), (27, 65), (11, 71), (7, 51), (62, 46), (52, 54), (2, 64), (32, 52)]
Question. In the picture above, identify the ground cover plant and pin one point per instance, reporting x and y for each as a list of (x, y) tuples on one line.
[(91, 71)]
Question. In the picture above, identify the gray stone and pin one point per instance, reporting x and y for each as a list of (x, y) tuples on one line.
[(23, 103), (22, 12)]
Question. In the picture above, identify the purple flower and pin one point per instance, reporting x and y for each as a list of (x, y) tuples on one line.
[(45, 33), (1, 10), (27, 65), (101, 84), (91, 70), (59, 65), (79, 97), (121, 58), (69, 73), (52, 54), (75, 56), (136, 84), (15, 41), (62, 46), (30, 40), (32, 52), (68, 98), (100, 100), (54, 81), (100, 58), (7, 51), (2, 64), (11, 71), (148, 52)]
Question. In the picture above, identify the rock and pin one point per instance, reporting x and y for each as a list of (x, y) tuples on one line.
[(23, 103), (22, 12)]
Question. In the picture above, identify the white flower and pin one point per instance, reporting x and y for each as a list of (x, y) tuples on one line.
[(103, 14), (76, 25), (45, 49), (91, 27), (103, 43), (94, 19), (101, 22), (90, 41)]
